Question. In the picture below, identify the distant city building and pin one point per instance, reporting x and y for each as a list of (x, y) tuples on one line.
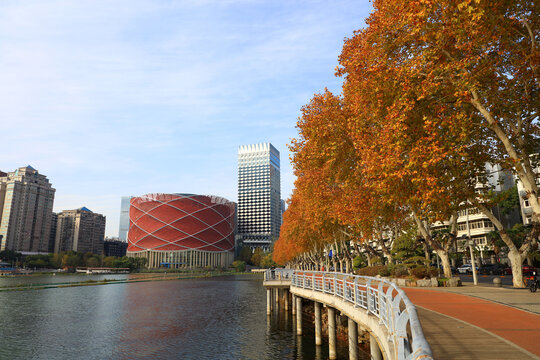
[(26, 203), (182, 230), (52, 236), (259, 195), (114, 247), (124, 218), (473, 224), (80, 230)]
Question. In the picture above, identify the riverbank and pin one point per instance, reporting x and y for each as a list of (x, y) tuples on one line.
[(132, 278)]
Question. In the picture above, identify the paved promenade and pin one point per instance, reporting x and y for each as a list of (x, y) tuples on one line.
[(479, 322)]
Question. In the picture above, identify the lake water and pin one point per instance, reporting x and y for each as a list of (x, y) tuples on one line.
[(213, 318)]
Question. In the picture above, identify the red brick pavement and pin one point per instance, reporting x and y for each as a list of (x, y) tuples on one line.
[(517, 326)]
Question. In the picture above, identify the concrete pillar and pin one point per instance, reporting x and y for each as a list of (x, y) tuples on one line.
[(277, 296), (318, 324), (298, 315), (376, 353), (353, 340), (299, 347), (286, 298), (332, 354), (268, 301), (318, 353), (293, 304)]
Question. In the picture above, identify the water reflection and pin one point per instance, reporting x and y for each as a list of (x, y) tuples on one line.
[(220, 318), (318, 352)]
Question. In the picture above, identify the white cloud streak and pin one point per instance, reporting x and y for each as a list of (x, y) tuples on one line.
[(121, 97)]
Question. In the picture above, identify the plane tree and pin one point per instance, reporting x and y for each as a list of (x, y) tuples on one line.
[(448, 86)]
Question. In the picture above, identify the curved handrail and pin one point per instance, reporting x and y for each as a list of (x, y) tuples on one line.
[(381, 298), (278, 274)]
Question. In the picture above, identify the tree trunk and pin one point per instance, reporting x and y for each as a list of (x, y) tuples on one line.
[(514, 255), (517, 271), (348, 258), (440, 249), (426, 252), (523, 166), (445, 260), (348, 265), (385, 250)]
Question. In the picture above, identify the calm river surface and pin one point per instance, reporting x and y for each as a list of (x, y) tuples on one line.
[(215, 318)]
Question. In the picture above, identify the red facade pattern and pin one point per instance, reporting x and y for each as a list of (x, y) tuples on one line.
[(176, 222)]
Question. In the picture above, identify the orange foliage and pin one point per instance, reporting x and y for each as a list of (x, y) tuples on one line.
[(433, 90)]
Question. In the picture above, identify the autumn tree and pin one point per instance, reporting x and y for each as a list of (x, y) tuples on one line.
[(462, 71), (322, 160)]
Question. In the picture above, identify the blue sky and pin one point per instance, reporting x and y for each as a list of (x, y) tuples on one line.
[(109, 98)]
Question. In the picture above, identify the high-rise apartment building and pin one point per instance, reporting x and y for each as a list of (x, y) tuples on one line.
[(52, 236), (475, 225), (114, 247), (26, 203), (259, 195), (80, 230), (124, 218)]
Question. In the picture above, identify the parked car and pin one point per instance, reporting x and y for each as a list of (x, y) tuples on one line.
[(492, 269), (526, 269), (466, 269)]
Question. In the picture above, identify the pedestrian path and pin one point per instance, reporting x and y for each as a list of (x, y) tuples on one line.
[(459, 326), (519, 298)]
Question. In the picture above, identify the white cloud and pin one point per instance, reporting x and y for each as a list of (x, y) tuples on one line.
[(111, 98)]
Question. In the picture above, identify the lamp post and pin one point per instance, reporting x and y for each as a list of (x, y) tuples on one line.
[(470, 242)]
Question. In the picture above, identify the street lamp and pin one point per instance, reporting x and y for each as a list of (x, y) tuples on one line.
[(470, 242)]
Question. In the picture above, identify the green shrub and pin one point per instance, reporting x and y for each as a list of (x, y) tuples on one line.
[(385, 271), (267, 261), (358, 262), (421, 272), (442, 281), (401, 271), (433, 272), (239, 265), (370, 270)]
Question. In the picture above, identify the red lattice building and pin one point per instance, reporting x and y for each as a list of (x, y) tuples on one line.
[(182, 230)]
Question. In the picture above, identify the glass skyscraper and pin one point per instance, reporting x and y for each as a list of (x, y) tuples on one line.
[(259, 195), (124, 218)]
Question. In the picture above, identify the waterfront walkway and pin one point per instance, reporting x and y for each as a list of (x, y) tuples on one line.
[(479, 322)]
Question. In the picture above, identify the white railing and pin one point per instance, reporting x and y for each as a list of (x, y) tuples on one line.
[(381, 299), (278, 274)]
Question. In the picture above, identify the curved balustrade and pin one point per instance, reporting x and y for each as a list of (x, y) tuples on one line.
[(378, 297), (278, 274)]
